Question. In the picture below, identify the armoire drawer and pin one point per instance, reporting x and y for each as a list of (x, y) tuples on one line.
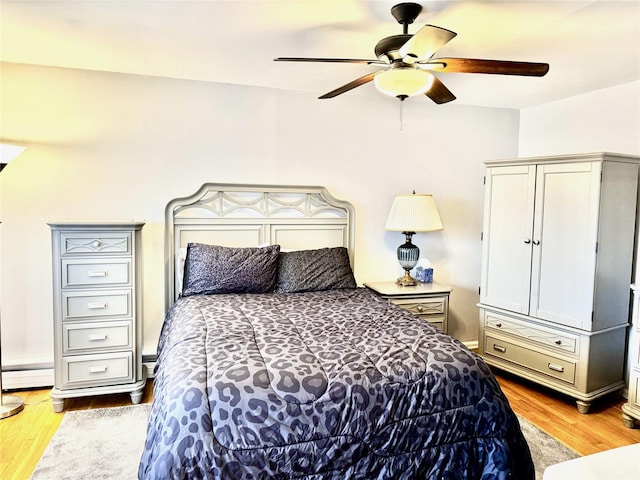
[(101, 336), (86, 370), (88, 273), (549, 338), (539, 361), (99, 304), (82, 243)]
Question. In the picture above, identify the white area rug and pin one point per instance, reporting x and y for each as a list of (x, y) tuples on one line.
[(103, 443), (107, 443)]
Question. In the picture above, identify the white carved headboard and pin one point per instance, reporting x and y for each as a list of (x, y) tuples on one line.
[(295, 217)]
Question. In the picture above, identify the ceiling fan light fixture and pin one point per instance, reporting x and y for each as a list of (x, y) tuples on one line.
[(403, 82)]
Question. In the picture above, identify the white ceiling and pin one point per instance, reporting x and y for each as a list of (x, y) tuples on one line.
[(589, 44)]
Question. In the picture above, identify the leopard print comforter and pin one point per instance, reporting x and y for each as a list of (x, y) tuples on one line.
[(338, 384)]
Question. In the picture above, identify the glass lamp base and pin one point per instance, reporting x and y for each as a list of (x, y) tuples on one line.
[(406, 280), (10, 405)]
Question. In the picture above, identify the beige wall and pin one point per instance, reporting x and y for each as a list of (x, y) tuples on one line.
[(110, 146), (606, 120)]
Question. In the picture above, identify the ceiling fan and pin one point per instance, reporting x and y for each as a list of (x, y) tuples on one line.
[(409, 62)]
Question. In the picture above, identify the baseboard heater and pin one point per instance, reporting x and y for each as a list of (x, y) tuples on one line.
[(40, 375)]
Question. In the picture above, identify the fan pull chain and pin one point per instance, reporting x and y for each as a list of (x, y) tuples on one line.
[(401, 111)]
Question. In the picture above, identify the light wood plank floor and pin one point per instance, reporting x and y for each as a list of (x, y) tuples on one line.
[(25, 436)]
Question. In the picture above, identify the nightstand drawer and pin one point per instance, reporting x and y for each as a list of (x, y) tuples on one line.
[(86, 337), (547, 337), (538, 361), (97, 304), (85, 273), (107, 369), (423, 306), (74, 243)]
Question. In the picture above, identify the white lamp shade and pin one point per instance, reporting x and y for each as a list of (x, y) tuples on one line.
[(413, 213), (403, 81)]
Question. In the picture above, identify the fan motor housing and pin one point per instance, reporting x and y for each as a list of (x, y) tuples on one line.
[(389, 47)]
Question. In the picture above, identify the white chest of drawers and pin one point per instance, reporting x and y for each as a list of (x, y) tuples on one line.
[(97, 310)]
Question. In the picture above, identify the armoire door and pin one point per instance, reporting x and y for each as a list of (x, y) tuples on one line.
[(508, 237), (564, 242)]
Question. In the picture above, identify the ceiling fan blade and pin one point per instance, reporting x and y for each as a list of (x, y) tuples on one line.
[(350, 86), (439, 93), (425, 43), (497, 67), (331, 60)]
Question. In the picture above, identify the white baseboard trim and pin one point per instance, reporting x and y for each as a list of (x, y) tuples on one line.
[(31, 377)]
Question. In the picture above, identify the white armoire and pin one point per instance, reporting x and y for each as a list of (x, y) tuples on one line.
[(557, 261)]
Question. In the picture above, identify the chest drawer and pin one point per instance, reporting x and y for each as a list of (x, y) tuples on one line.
[(83, 243), (87, 273), (86, 370), (96, 304), (423, 306), (88, 337), (549, 338), (539, 361)]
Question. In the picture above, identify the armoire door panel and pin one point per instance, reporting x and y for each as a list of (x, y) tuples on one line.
[(564, 243), (508, 238)]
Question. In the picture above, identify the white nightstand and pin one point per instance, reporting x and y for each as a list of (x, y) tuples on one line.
[(429, 301)]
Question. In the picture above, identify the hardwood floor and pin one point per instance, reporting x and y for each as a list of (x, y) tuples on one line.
[(556, 414), (25, 436)]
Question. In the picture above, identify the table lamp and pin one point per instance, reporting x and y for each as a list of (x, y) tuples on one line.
[(410, 214)]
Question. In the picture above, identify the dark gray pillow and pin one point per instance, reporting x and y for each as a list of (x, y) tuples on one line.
[(213, 269), (312, 270)]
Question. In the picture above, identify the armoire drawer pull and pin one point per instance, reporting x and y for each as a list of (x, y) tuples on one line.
[(98, 338), (97, 305), (100, 369), (556, 368), (499, 325), (558, 342), (499, 348), (97, 273)]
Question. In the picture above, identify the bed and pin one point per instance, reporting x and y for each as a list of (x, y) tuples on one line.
[(273, 364)]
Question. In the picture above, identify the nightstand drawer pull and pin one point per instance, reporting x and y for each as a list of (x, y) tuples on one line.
[(97, 273), (97, 305), (499, 348), (96, 244), (499, 325), (98, 338), (99, 369), (555, 368), (558, 342)]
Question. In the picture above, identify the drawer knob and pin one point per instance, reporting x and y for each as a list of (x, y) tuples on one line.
[(499, 348), (558, 342), (556, 368), (96, 243), (420, 308), (97, 273), (499, 325), (97, 305)]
